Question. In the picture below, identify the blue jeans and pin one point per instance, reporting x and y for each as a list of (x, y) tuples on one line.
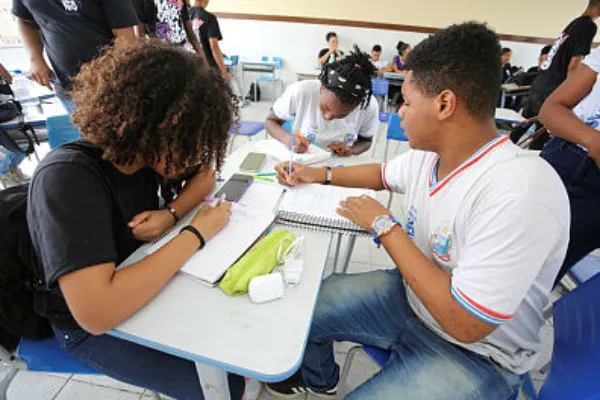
[(581, 177), (9, 160), (372, 309), (140, 366)]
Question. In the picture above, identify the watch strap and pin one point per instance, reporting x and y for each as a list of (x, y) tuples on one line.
[(328, 176), (174, 213)]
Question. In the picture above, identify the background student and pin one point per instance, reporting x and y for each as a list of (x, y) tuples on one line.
[(334, 112), (507, 69), (207, 30), (94, 201), (380, 65), (399, 60), (572, 113), (332, 53), (574, 43), (84, 30)]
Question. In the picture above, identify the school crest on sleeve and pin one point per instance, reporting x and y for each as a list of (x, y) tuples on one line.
[(441, 241)]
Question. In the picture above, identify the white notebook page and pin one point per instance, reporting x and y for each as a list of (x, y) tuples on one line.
[(319, 200)]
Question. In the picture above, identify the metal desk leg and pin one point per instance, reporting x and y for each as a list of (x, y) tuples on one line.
[(503, 99), (214, 382), (348, 253), (337, 252)]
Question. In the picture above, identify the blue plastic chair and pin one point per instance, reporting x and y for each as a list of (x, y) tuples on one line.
[(395, 132), (576, 355), (381, 357), (61, 130), (248, 129), (42, 356), (381, 88), (274, 79)]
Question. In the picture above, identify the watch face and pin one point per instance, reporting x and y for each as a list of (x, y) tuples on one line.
[(382, 223)]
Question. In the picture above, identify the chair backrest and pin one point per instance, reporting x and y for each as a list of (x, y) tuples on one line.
[(381, 87), (61, 130), (576, 355), (234, 60), (395, 131), (277, 60)]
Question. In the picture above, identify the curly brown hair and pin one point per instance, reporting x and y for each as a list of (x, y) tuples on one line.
[(144, 100)]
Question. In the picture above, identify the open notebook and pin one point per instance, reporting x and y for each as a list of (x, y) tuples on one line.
[(314, 207), (250, 218), (280, 152)]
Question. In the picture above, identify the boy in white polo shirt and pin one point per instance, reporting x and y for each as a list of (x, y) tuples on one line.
[(486, 231), (334, 112)]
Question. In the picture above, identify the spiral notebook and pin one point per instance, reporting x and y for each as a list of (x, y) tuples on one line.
[(314, 207)]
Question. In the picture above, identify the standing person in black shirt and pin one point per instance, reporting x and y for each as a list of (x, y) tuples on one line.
[(207, 30), (72, 32), (147, 111), (168, 20), (565, 55)]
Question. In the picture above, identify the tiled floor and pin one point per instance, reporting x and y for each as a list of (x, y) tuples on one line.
[(42, 386)]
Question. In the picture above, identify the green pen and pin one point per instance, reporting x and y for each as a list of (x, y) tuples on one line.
[(264, 178), (266, 174)]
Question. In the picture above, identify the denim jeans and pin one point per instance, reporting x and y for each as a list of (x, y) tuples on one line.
[(140, 366), (581, 177), (372, 309)]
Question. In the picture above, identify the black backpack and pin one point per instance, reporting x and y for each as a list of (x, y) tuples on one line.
[(21, 274)]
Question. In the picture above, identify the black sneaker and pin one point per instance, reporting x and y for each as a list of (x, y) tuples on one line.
[(295, 386)]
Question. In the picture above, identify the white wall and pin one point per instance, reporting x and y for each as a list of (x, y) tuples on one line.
[(298, 44)]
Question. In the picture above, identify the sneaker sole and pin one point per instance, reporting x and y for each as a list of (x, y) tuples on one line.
[(282, 395)]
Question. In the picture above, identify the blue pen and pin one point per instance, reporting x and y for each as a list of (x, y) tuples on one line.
[(292, 154)]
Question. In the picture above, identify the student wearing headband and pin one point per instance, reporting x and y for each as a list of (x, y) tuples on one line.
[(334, 112)]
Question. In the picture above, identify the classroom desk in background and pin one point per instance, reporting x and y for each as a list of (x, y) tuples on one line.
[(513, 90), (507, 115), (394, 78), (303, 76), (222, 333)]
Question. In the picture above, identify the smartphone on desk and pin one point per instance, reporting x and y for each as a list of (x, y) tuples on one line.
[(235, 187), (253, 162)]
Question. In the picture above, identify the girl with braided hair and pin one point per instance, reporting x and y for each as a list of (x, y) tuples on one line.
[(334, 112)]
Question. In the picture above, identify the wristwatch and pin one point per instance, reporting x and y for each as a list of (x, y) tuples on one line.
[(328, 176), (383, 225)]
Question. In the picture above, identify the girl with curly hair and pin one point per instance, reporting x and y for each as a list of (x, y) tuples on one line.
[(148, 112)]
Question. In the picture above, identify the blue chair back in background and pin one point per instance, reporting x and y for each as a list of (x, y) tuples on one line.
[(61, 130), (574, 371)]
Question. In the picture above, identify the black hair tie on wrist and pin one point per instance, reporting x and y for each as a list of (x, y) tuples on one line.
[(193, 230)]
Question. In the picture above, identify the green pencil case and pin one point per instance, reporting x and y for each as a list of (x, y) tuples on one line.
[(261, 259)]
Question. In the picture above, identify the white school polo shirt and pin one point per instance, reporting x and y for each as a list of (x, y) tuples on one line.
[(300, 102), (499, 226)]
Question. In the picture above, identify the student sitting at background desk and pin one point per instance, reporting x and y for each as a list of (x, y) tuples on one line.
[(335, 112), (462, 312), (380, 65), (397, 65), (332, 53), (93, 202)]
